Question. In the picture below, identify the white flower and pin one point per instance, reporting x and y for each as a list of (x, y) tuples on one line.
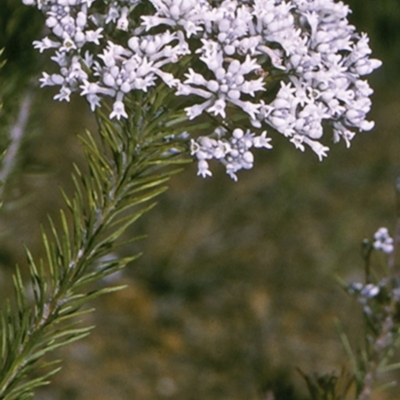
[(218, 108), (370, 290), (319, 149), (123, 22), (63, 94), (262, 141), (118, 110), (94, 36), (383, 241), (203, 170), (45, 44)]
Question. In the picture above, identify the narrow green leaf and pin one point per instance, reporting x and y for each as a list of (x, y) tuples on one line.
[(390, 367), (26, 389), (348, 349), (66, 241)]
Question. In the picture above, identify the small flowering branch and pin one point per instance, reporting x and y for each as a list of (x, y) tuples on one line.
[(379, 297), (396, 240), (380, 300)]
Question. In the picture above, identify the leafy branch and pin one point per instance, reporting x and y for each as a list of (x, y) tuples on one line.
[(128, 167)]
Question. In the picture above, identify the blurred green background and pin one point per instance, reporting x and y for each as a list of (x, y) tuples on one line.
[(236, 287)]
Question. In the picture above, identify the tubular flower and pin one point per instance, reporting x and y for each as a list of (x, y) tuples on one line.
[(295, 66)]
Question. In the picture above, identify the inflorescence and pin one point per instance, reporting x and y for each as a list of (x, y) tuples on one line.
[(295, 66), (379, 297)]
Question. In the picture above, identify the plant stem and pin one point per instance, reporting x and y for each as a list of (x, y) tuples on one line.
[(103, 224), (17, 133)]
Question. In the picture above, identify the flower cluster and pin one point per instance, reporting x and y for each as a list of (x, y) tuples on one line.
[(295, 66), (376, 294), (383, 241), (381, 306), (234, 152)]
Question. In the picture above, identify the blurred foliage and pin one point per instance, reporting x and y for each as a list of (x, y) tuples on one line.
[(330, 386), (381, 20), (19, 26), (235, 288)]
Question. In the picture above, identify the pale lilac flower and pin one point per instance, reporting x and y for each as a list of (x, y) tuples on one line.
[(233, 152), (370, 290), (383, 241), (118, 110)]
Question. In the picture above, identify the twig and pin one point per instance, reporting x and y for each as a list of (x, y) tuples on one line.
[(17, 132), (396, 236)]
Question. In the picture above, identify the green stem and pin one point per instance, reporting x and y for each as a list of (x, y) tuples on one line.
[(136, 166)]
